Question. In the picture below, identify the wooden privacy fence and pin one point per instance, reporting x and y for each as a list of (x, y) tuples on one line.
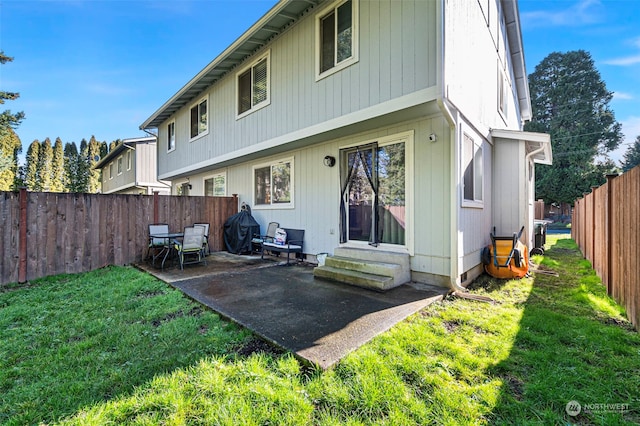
[(606, 227), (45, 233)]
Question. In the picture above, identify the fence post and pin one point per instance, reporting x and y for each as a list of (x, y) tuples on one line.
[(155, 206), (593, 226), (610, 232), (22, 237)]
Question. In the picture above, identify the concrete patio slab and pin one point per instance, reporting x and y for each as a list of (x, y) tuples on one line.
[(320, 321)]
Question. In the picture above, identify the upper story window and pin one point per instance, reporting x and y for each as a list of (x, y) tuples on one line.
[(120, 165), (199, 121), (253, 86), (503, 92), (111, 171), (273, 184), (472, 178), (171, 136), (129, 156), (337, 35)]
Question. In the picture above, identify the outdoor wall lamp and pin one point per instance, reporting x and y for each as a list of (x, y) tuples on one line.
[(433, 137), (329, 161)]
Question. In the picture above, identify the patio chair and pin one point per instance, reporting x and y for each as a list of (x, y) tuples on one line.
[(258, 240), (191, 246), (205, 246), (157, 245), (293, 243)]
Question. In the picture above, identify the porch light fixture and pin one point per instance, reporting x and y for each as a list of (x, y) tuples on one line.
[(329, 161), (433, 137)]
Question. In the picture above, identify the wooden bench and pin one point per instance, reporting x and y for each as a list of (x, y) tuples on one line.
[(293, 244)]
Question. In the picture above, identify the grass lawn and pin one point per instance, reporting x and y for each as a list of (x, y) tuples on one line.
[(115, 346)]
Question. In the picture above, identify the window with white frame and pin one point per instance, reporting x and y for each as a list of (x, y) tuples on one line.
[(171, 136), (253, 86), (129, 156), (273, 184), (337, 35), (503, 90), (120, 165), (111, 171), (472, 178), (216, 185), (199, 122)]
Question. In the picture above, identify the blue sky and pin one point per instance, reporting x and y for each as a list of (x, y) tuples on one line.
[(100, 67)]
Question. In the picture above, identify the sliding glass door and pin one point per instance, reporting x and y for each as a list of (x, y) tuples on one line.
[(373, 194)]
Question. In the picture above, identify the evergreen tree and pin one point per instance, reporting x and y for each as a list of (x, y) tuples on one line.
[(93, 158), (32, 169), (570, 101), (20, 181), (5, 165), (83, 167), (45, 161), (104, 149), (632, 156), (7, 119), (58, 183), (71, 160), (10, 147)]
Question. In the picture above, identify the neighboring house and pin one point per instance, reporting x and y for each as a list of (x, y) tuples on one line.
[(130, 168), (387, 126)]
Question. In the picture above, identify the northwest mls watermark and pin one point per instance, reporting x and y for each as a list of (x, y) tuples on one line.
[(574, 408)]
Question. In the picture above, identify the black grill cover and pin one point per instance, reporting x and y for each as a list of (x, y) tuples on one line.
[(239, 229)]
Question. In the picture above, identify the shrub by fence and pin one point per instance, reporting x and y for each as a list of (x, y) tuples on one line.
[(52, 233), (606, 227)]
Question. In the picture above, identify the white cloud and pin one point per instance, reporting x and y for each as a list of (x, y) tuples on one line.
[(622, 96), (624, 61), (580, 13)]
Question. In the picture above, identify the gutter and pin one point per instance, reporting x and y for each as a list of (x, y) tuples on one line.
[(149, 132)]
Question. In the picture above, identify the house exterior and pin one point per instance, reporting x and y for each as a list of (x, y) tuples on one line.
[(384, 126), (130, 168)]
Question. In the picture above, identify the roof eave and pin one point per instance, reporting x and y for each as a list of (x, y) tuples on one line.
[(516, 48), (538, 143), (214, 71)]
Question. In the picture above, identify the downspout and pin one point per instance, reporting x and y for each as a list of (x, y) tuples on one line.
[(451, 118), (528, 158)]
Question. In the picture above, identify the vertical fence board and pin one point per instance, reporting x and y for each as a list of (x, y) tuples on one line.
[(70, 233), (606, 227), (599, 237), (9, 235), (634, 232)]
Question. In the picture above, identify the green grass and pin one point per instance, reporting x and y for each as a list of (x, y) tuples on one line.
[(76, 340), (67, 355)]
